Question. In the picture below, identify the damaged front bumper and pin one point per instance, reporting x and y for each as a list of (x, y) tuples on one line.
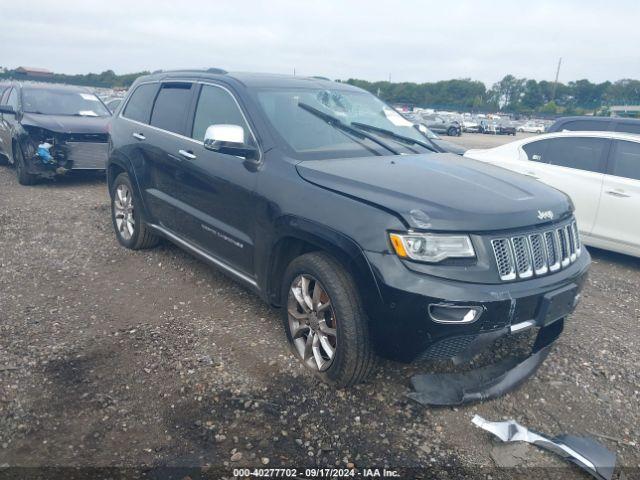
[(458, 320), (406, 327), (54, 156), (488, 382)]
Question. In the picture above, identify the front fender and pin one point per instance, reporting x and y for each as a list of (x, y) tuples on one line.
[(291, 230)]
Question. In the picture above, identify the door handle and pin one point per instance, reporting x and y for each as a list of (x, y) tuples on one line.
[(532, 175), (615, 193), (186, 154), (138, 136)]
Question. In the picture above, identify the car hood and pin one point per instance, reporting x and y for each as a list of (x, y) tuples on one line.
[(441, 191), (66, 123)]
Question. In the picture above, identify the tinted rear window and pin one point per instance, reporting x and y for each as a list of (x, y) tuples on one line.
[(535, 150), (141, 102), (171, 107), (583, 153), (626, 160)]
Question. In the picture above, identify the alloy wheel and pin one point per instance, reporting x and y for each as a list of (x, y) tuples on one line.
[(123, 211), (312, 322)]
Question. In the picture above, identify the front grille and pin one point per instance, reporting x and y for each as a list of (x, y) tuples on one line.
[(87, 155), (523, 256)]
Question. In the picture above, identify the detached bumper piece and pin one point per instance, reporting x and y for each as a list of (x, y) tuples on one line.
[(445, 389), (584, 452)]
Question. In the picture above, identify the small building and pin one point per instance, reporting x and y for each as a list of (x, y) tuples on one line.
[(625, 110), (34, 72)]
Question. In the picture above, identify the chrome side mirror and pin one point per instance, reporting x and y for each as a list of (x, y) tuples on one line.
[(228, 139)]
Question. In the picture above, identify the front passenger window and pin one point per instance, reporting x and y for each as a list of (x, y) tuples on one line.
[(217, 106)]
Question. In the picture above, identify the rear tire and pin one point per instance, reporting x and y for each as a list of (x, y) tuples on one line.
[(24, 177), (131, 230), (353, 357)]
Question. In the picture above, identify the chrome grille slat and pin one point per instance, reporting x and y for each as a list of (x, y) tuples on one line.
[(564, 247), (538, 254), (522, 256), (525, 255), (504, 258)]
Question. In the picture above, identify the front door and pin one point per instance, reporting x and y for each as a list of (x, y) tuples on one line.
[(216, 189)]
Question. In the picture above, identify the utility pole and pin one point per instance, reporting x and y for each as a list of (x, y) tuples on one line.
[(555, 83)]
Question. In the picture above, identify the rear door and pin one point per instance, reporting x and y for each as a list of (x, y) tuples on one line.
[(619, 213), (217, 188), (574, 165), (165, 148)]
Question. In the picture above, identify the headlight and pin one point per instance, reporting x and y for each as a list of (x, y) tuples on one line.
[(431, 247)]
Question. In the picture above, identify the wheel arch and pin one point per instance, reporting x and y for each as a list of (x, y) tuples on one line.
[(297, 236), (118, 164)]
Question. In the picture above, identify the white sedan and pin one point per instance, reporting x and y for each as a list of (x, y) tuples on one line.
[(600, 171), (531, 127)]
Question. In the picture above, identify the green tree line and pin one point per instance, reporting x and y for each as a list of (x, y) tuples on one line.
[(511, 94)]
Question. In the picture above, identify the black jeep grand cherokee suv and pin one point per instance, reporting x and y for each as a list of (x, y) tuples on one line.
[(325, 201)]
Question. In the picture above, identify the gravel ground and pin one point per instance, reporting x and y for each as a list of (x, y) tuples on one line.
[(145, 359)]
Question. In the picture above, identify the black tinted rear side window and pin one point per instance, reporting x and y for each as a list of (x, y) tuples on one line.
[(628, 127), (139, 106), (587, 125), (582, 153), (171, 107), (626, 160), (535, 150)]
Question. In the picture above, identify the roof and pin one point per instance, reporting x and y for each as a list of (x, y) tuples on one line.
[(596, 119), (34, 70), (51, 86), (253, 80), (577, 133)]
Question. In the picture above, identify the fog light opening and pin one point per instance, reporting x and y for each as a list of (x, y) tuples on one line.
[(457, 314)]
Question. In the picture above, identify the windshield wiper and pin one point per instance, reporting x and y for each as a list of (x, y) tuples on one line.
[(339, 124), (394, 135)]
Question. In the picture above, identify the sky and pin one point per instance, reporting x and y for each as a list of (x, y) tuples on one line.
[(405, 40)]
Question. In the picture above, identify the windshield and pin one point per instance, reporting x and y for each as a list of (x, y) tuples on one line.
[(62, 102), (310, 137)]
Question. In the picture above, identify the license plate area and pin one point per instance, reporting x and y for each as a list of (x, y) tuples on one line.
[(557, 304)]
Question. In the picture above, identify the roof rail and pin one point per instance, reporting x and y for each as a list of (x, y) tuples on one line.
[(318, 77)]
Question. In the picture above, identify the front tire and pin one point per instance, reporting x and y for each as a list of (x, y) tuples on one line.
[(325, 322), (452, 132), (24, 177), (131, 230)]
